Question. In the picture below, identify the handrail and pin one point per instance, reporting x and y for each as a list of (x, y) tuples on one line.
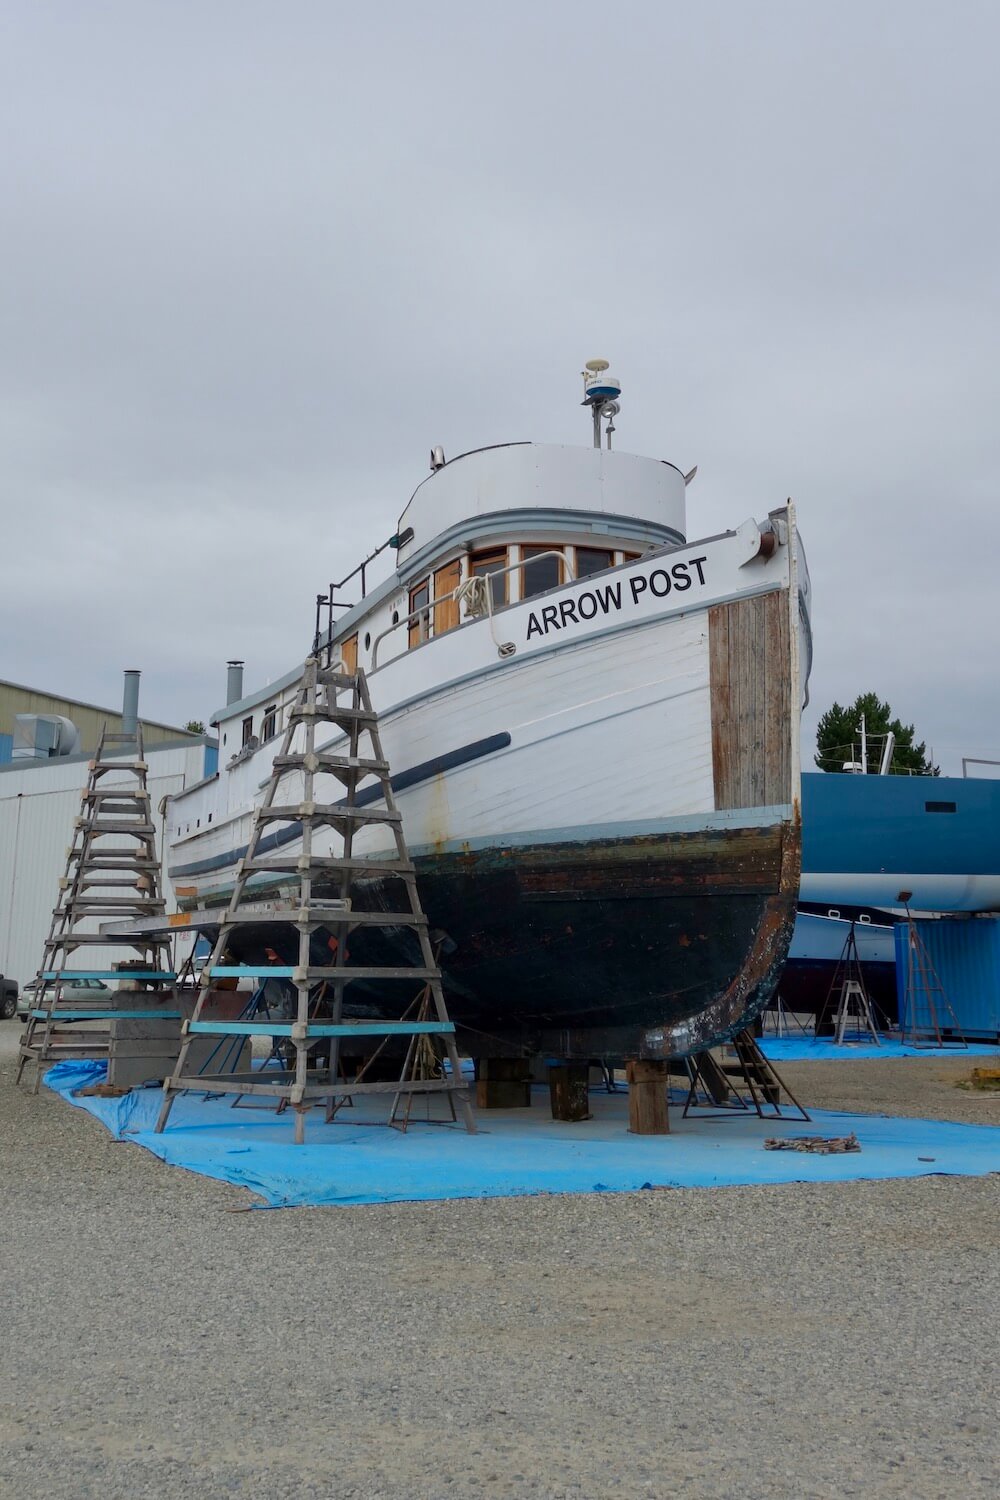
[(464, 590)]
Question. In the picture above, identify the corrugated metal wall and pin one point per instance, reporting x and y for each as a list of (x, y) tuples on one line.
[(88, 718), (37, 808), (965, 954)]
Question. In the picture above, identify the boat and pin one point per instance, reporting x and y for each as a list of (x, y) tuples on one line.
[(593, 730), (817, 954), (928, 842)]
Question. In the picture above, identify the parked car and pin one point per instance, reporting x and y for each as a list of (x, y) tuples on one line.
[(8, 998), (85, 991)]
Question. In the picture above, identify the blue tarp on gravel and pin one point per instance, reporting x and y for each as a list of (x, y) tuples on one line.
[(516, 1151), (815, 1049)]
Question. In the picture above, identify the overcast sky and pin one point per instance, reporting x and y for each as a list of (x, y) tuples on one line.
[(257, 258)]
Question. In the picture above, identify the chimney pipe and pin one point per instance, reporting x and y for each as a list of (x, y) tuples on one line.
[(130, 702), (234, 682)]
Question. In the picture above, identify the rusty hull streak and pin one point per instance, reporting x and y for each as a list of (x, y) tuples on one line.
[(753, 987)]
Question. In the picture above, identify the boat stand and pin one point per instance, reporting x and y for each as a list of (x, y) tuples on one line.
[(316, 917), (750, 1083)]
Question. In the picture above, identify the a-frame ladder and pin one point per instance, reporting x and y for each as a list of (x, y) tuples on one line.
[(112, 872), (327, 798), (928, 1018)]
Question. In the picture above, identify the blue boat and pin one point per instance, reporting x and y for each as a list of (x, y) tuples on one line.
[(867, 840)]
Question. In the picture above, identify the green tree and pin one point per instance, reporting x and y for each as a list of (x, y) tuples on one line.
[(195, 726), (838, 738)]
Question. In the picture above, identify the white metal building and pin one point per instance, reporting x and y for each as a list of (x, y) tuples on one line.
[(39, 800)]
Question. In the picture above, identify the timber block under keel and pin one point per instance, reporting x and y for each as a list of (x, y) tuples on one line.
[(568, 1091), (647, 1096), (502, 1083)]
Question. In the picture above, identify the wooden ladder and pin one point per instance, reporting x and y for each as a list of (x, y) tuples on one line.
[(112, 871), (322, 903)]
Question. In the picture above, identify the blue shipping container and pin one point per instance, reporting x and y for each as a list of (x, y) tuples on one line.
[(964, 952)]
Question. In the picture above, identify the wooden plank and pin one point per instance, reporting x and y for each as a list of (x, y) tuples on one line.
[(750, 686), (503, 1083), (647, 1096), (721, 705), (446, 579), (777, 701), (568, 1091), (323, 1028)]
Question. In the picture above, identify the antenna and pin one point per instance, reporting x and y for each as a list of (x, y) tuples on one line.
[(600, 392)]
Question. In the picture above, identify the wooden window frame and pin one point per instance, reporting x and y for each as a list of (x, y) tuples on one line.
[(421, 628), (247, 730), (493, 554), (529, 547), (269, 727)]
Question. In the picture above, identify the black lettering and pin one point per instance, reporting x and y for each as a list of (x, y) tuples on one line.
[(590, 602), (682, 578), (533, 626), (549, 617), (638, 586), (567, 610), (660, 573), (696, 562), (610, 591)]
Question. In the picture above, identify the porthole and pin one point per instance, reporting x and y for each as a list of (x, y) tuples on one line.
[(368, 640), (395, 617)]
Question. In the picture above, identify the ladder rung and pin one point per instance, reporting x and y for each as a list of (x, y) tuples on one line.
[(313, 973), (328, 760), (325, 812), (330, 916), (328, 864), (133, 830), (60, 976), (323, 1028), (59, 1014), (332, 713)]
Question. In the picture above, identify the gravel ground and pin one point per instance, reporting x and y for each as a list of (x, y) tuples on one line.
[(795, 1341)]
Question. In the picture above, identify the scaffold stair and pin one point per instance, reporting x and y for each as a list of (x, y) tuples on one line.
[(322, 897)]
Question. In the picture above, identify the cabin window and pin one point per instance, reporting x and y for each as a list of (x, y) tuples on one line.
[(248, 730), (540, 572), (482, 564), (349, 653), (269, 728), (446, 580), (940, 807), (420, 599), (593, 560)]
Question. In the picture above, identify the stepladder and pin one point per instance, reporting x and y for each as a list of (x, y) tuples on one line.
[(325, 908), (112, 872)]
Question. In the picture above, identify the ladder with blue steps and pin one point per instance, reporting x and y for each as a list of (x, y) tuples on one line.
[(112, 872), (298, 897)]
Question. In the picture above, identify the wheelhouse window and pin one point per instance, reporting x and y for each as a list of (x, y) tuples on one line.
[(420, 598), (269, 728), (483, 564), (541, 572), (248, 730), (593, 560)]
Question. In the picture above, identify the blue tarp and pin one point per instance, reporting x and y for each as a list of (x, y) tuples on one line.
[(814, 1049), (516, 1151)]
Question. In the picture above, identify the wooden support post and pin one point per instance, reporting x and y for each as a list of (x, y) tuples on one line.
[(568, 1091), (647, 1097), (502, 1083)]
